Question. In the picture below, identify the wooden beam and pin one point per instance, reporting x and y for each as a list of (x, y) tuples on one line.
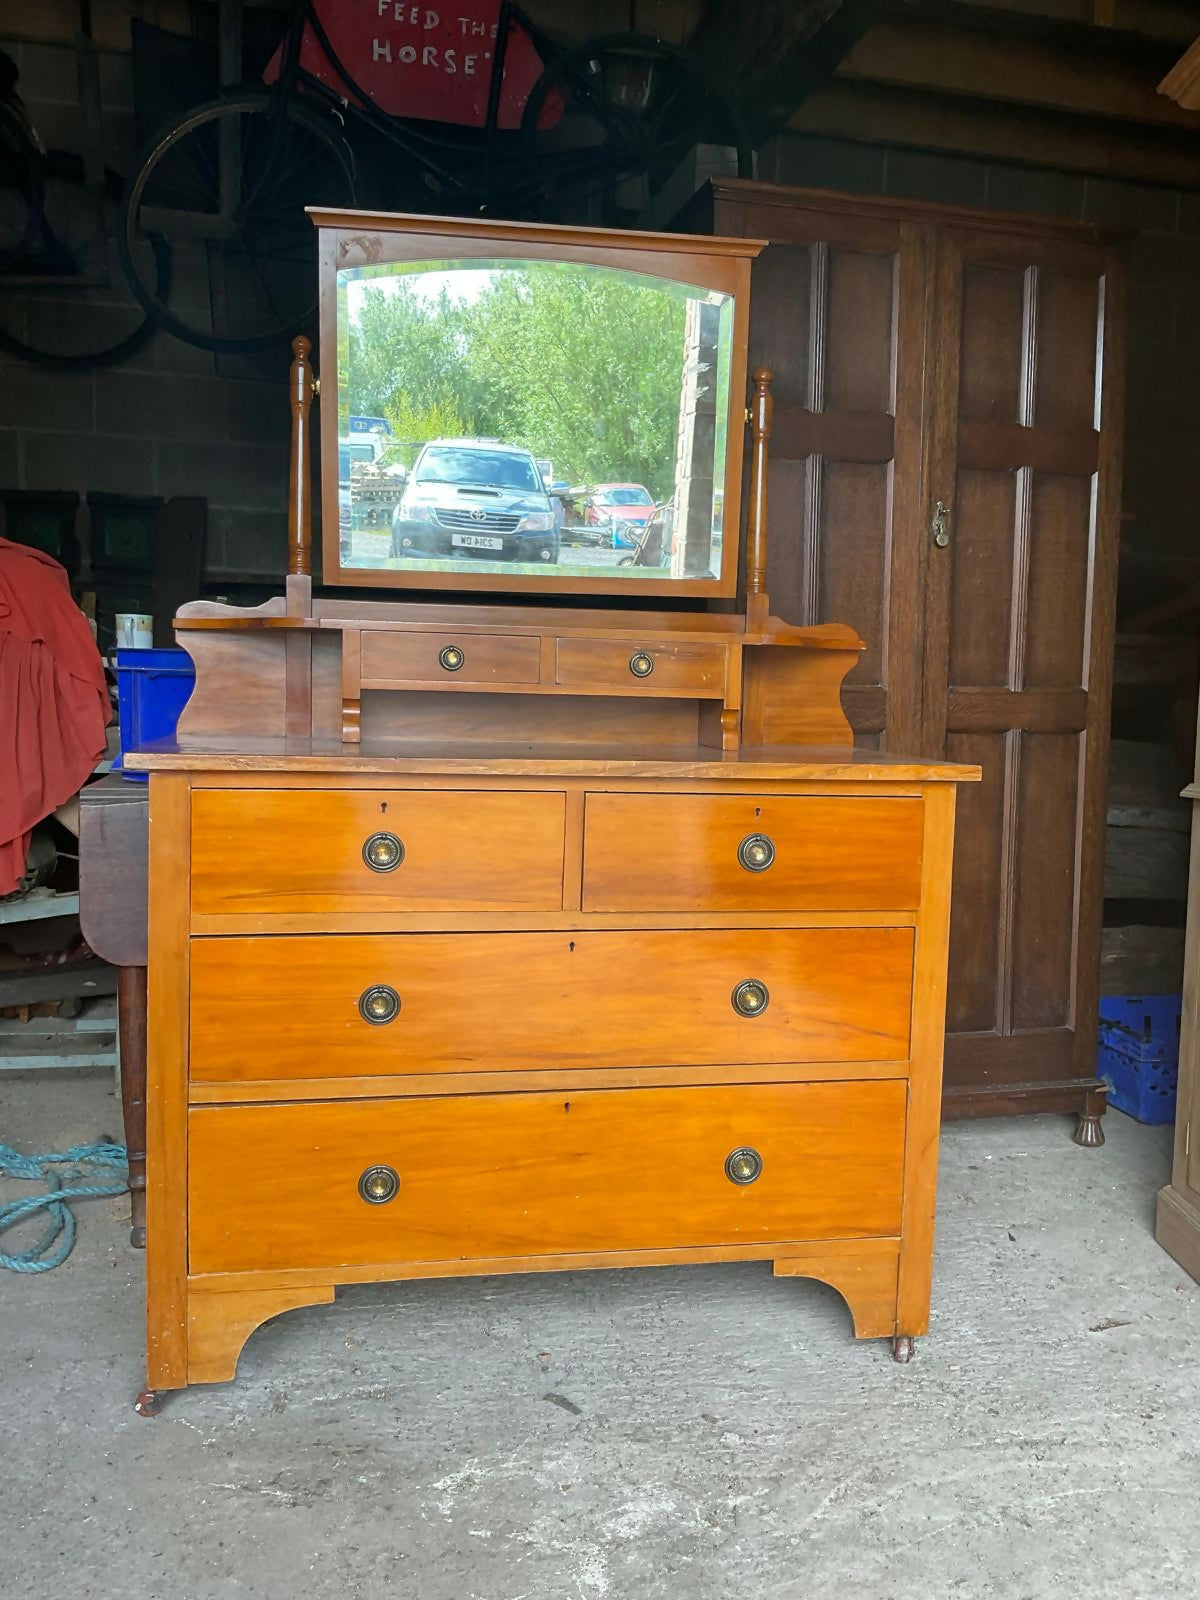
[(1182, 83), (1150, 44), (1014, 69), (771, 54), (873, 114)]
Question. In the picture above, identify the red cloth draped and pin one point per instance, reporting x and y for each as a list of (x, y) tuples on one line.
[(54, 704)]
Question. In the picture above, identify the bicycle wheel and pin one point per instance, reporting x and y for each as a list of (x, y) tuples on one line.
[(253, 258), (65, 302), (20, 184), (628, 109)]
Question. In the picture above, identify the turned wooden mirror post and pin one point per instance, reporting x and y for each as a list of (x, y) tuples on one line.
[(302, 387), (759, 417)]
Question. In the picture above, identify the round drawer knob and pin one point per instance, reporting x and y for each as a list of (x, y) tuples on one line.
[(451, 658), (378, 1004), (743, 1166), (641, 665), (383, 852), (751, 998), (756, 852), (378, 1185)]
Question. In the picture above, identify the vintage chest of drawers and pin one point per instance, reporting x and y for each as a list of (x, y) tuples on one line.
[(544, 1017), (518, 937)]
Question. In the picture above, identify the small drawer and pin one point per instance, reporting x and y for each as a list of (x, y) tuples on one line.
[(620, 666), (452, 658), (753, 852), (290, 851), (379, 1181), (359, 1005)]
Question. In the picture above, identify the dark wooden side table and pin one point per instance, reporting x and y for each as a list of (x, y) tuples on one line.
[(112, 913)]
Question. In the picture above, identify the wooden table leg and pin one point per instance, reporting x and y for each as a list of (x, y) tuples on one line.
[(131, 1021)]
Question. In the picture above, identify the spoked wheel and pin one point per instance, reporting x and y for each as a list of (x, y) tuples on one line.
[(228, 184), (607, 125), (65, 302), (20, 185)]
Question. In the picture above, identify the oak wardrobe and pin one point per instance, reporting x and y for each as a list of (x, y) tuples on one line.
[(945, 476)]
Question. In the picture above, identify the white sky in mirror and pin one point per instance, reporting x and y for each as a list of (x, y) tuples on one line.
[(463, 285)]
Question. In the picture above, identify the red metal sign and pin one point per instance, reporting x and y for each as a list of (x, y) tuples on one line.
[(427, 61)]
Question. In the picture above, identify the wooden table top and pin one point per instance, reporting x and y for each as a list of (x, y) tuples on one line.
[(844, 764)]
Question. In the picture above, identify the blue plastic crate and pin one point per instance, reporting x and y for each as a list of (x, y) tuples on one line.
[(153, 686), (1139, 1053)]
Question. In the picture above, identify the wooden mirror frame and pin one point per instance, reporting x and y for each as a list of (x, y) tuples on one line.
[(369, 238)]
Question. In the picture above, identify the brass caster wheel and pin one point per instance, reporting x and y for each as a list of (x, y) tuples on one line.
[(150, 1402), (1089, 1133), (902, 1349)]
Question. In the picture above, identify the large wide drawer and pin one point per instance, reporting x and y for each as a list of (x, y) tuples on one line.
[(355, 1005), (319, 850), (485, 1176), (752, 852)]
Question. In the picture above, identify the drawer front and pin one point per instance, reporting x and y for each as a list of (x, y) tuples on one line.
[(302, 851), (270, 1007), (541, 1174), (449, 658), (616, 666), (708, 852)]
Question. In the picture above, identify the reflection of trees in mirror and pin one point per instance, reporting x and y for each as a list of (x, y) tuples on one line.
[(575, 363)]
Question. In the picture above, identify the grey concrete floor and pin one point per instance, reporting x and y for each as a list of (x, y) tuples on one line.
[(693, 1432)]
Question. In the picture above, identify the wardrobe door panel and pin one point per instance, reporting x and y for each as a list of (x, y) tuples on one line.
[(1045, 794), (980, 561), (780, 332), (788, 486), (1068, 308), (991, 357), (848, 504), (859, 337), (975, 986), (1060, 544)]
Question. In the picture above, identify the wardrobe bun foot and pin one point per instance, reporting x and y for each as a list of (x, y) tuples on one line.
[(1089, 1133)]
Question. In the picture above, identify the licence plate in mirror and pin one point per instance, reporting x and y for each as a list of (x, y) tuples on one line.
[(476, 541)]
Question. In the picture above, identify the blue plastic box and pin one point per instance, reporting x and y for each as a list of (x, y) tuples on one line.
[(1139, 1053), (153, 686)]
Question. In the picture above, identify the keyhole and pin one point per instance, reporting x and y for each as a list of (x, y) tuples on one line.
[(566, 1105), (383, 805), (758, 811), (571, 947)]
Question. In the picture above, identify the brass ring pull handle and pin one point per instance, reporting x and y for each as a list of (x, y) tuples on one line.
[(743, 1166), (641, 664), (756, 852), (451, 658), (379, 1004), (751, 998), (378, 1185), (383, 852)]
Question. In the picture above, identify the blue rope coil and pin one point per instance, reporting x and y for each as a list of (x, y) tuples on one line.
[(81, 1161)]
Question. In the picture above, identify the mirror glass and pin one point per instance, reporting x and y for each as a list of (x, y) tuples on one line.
[(531, 418)]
